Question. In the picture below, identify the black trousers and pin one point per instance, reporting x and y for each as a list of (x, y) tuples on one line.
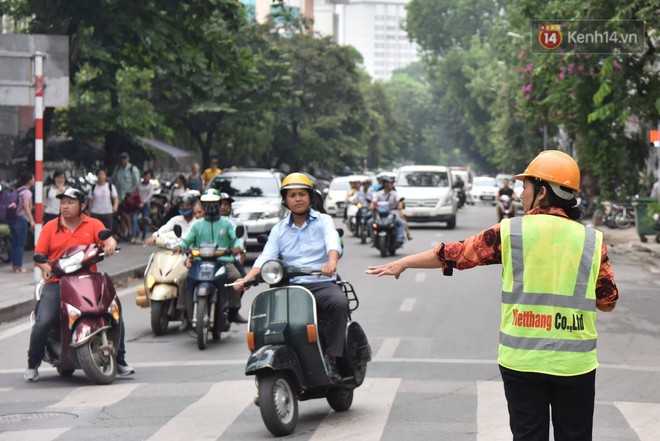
[(332, 307), (530, 396)]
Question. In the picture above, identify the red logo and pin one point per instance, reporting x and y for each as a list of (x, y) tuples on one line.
[(550, 36)]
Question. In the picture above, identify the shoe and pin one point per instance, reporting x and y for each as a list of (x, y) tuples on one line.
[(123, 369), (409, 236), (31, 374), (236, 317), (331, 367)]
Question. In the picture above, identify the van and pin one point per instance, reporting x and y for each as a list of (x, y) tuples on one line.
[(427, 192)]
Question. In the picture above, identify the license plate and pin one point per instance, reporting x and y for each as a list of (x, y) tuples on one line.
[(488, 198)]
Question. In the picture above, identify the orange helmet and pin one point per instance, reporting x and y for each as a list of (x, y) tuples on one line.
[(557, 168)]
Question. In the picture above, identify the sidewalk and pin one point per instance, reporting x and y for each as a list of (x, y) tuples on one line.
[(627, 241), (17, 290)]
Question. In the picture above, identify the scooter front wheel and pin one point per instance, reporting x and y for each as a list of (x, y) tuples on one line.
[(99, 367), (278, 403), (202, 322), (159, 318)]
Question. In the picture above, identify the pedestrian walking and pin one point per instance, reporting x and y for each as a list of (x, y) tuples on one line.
[(103, 199), (23, 221), (555, 275), (51, 201), (145, 190), (126, 177), (210, 172), (195, 178)]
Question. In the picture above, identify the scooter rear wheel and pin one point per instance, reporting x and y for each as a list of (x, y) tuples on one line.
[(278, 403), (202, 322), (340, 399)]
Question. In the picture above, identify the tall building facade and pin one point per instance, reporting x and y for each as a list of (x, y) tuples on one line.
[(374, 27)]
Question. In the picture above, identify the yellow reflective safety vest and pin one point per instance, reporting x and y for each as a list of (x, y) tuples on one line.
[(549, 270)]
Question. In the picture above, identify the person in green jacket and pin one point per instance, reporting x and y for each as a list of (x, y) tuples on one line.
[(219, 230)]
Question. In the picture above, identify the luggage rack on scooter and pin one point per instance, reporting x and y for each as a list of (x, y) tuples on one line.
[(349, 292)]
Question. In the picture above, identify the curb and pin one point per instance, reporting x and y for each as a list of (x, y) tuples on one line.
[(23, 308)]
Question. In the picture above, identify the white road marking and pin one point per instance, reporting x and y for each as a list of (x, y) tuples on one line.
[(367, 416), (407, 305), (388, 348), (492, 414), (654, 269), (33, 435), (15, 330), (87, 397), (204, 420), (420, 277), (643, 418)]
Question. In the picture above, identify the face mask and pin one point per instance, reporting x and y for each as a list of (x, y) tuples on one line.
[(186, 212), (212, 210)]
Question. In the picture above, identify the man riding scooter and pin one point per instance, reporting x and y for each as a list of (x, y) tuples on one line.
[(214, 229), (307, 238), (389, 195), (72, 227), (234, 296)]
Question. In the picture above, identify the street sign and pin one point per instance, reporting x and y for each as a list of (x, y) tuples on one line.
[(17, 69)]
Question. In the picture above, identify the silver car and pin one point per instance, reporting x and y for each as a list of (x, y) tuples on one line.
[(257, 201)]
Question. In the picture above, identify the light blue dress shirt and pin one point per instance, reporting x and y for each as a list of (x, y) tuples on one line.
[(306, 246)]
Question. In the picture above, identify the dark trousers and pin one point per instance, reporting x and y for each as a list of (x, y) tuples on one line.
[(48, 317), (107, 219), (332, 307), (530, 396), (18, 230), (233, 297)]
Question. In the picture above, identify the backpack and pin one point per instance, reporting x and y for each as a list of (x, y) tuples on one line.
[(8, 206)]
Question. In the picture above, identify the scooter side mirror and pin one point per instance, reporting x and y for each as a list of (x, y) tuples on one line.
[(340, 231), (105, 234), (178, 230), (240, 231), (40, 258)]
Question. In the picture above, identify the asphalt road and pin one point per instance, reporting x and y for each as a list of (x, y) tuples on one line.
[(434, 375)]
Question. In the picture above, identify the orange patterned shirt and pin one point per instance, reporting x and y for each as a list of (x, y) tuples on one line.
[(485, 248)]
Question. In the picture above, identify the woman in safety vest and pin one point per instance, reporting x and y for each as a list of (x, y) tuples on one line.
[(555, 275)]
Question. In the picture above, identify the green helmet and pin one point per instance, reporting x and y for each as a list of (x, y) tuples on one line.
[(211, 195)]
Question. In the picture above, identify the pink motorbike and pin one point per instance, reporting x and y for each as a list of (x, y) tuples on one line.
[(90, 315)]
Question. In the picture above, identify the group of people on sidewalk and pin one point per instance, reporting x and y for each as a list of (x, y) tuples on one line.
[(122, 196)]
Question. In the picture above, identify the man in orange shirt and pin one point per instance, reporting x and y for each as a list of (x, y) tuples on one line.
[(71, 228), (210, 172)]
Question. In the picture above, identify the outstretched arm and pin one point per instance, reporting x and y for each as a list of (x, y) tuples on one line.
[(426, 259)]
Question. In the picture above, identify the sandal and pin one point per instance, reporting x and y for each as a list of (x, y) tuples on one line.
[(20, 270)]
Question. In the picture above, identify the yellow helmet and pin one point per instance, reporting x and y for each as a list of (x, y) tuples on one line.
[(296, 180), (557, 168)]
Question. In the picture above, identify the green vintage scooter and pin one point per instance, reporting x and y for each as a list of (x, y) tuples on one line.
[(287, 349)]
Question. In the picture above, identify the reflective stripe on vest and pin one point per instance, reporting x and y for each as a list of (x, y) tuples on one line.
[(548, 314)]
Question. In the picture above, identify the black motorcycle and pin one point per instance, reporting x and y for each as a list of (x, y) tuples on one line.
[(384, 229), (210, 297), (287, 349)]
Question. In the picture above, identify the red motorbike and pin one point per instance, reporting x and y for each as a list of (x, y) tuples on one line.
[(505, 209), (90, 315)]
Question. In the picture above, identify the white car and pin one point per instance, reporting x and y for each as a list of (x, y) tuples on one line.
[(427, 193), (334, 201), (484, 190)]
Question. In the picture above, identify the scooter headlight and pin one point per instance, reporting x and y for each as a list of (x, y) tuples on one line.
[(151, 281), (272, 272), (73, 313), (72, 263)]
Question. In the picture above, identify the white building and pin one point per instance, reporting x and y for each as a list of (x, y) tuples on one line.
[(373, 27)]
